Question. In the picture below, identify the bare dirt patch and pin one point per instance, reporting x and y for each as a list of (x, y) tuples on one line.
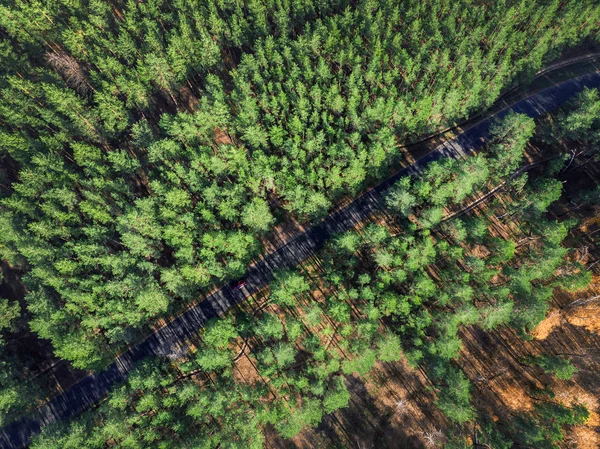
[(188, 97), (591, 223), (245, 371), (221, 137), (587, 316), (512, 395), (583, 438), (580, 309), (545, 328)]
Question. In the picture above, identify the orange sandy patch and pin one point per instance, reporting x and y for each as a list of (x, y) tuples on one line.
[(582, 311), (514, 396), (545, 328), (587, 316), (584, 438)]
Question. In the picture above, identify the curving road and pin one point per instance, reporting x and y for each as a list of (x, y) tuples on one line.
[(166, 340)]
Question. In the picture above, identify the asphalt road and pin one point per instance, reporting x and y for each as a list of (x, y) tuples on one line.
[(165, 341)]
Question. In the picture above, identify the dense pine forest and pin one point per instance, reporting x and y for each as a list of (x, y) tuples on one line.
[(151, 150)]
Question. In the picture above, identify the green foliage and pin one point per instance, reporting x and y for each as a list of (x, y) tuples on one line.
[(287, 287), (9, 312), (149, 147), (493, 437), (219, 332), (577, 279), (509, 138), (284, 354), (389, 348), (560, 367), (454, 398), (544, 429), (578, 121), (361, 364), (270, 327), (347, 243), (497, 315), (338, 398), (399, 199), (257, 216), (309, 414), (212, 359), (154, 408), (17, 394)]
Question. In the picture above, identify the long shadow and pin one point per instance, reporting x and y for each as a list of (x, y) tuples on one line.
[(365, 423), (94, 387)]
